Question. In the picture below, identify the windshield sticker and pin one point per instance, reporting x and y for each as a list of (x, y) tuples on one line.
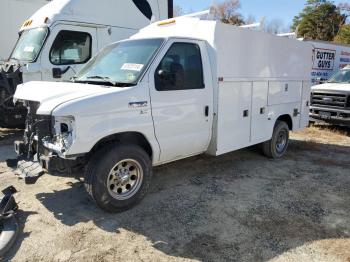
[(29, 49), (132, 67)]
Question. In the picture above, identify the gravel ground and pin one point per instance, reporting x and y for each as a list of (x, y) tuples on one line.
[(236, 207)]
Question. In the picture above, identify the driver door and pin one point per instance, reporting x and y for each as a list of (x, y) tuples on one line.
[(182, 98), (67, 49)]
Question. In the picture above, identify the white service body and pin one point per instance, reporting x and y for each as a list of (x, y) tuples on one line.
[(251, 79)]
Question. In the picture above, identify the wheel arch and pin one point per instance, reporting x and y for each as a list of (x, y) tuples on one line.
[(287, 119), (135, 138)]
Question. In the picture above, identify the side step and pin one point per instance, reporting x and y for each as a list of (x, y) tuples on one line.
[(30, 171)]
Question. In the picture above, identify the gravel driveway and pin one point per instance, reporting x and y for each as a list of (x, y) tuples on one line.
[(236, 207)]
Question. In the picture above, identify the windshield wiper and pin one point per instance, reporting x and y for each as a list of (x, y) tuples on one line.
[(103, 79)]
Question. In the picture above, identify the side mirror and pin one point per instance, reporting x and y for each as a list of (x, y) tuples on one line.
[(58, 72)]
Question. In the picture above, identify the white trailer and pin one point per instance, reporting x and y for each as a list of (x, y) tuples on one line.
[(328, 58), (58, 39), (178, 88), (12, 15)]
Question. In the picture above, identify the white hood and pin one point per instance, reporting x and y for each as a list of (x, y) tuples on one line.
[(343, 87), (52, 94)]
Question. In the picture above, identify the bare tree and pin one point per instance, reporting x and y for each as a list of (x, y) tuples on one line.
[(250, 20), (226, 11)]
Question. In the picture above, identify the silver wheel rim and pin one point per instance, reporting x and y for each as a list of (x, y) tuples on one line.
[(125, 179), (281, 141)]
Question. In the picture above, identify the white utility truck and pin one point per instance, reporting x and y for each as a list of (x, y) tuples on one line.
[(62, 36), (178, 88), (330, 101)]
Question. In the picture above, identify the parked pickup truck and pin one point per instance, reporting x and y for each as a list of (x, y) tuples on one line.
[(330, 102), (176, 89)]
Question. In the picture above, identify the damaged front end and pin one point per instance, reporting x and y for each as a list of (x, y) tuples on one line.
[(45, 140), (11, 115)]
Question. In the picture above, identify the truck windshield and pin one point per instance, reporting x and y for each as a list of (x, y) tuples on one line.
[(29, 44), (120, 64), (342, 76)]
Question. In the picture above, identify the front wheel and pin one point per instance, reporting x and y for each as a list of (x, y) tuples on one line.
[(118, 177), (277, 146)]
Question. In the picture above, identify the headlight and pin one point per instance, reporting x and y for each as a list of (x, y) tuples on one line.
[(64, 132)]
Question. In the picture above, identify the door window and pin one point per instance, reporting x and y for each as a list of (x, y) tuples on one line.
[(180, 69), (71, 47)]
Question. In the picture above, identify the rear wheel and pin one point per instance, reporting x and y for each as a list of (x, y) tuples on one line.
[(118, 177), (277, 146)]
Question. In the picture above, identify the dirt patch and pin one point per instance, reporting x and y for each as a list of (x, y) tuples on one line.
[(236, 207)]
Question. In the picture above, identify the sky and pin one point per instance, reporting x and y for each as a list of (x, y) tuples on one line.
[(283, 10)]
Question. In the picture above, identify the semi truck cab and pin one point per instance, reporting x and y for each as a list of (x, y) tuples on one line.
[(64, 35)]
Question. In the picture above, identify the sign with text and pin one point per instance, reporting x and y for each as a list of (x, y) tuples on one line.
[(324, 59)]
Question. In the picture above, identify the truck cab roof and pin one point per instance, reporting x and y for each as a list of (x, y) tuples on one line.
[(236, 52), (106, 12)]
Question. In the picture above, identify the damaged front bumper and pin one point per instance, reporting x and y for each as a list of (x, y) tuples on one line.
[(30, 169)]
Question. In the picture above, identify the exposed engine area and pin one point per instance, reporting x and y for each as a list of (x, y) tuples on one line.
[(34, 156)]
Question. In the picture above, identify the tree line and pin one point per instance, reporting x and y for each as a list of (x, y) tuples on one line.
[(319, 20)]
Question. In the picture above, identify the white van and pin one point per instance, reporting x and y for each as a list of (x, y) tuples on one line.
[(63, 35), (178, 88)]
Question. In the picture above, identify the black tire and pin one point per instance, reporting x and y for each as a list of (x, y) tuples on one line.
[(8, 235), (274, 148), (97, 176)]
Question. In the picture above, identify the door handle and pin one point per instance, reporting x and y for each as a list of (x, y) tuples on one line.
[(245, 113), (206, 111)]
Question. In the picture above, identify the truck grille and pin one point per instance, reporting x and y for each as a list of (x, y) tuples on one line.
[(334, 100)]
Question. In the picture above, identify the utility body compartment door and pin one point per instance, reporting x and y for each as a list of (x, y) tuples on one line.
[(182, 99), (261, 128), (305, 104), (283, 92), (234, 116)]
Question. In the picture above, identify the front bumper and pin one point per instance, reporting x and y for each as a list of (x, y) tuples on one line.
[(30, 169), (330, 115)]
